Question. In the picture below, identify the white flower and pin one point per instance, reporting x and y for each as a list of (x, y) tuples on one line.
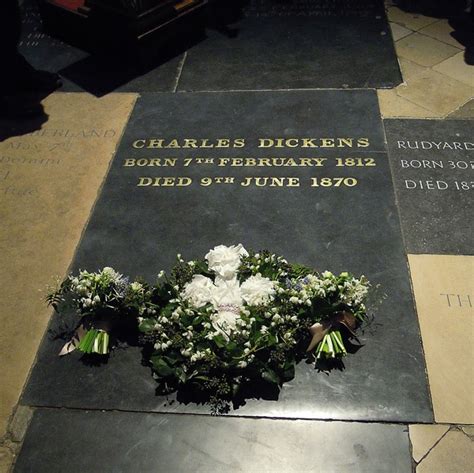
[(227, 301), (198, 291), (257, 290), (136, 286), (225, 260), (111, 273)]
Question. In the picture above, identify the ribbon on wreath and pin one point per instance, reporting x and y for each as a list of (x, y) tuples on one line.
[(92, 340), (319, 330), (76, 339)]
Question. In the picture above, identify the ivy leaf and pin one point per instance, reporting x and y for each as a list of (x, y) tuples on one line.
[(220, 341), (161, 367), (271, 377), (147, 325)]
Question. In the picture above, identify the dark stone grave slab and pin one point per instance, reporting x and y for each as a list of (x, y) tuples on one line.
[(337, 212), (268, 44), (83, 72), (433, 167), (79, 441)]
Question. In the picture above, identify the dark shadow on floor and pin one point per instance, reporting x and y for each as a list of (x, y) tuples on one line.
[(19, 126), (459, 14), (100, 75)]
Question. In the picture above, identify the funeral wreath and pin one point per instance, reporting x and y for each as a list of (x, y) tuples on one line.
[(219, 324)]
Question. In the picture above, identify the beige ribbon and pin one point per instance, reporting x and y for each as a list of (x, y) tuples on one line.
[(318, 330), (72, 344)]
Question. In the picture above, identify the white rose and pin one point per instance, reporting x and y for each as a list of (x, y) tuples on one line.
[(227, 300), (225, 260), (198, 291), (257, 290)]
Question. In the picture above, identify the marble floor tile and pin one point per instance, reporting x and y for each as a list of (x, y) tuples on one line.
[(423, 437), (394, 106), (468, 430), (453, 454), (49, 181), (436, 92), (445, 302), (399, 31), (441, 30), (457, 68), (412, 21), (410, 69), (424, 50)]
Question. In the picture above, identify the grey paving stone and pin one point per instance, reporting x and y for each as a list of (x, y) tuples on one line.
[(294, 44), (79, 441), (433, 168)]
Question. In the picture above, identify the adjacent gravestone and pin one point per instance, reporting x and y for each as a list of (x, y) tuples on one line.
[(63, 440), (268, 44), (433, 167), (261, 44), (304, 174)]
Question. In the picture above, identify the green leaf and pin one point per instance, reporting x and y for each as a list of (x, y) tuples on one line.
[(271, 377), (161, 367), (181, 375), (147, 325), (220, 341)]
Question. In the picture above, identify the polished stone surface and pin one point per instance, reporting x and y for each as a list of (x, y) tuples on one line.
[(434, 186), (296, 44), (97, 75), (49, 181), (62, 440), (355, 227), (445, 303)]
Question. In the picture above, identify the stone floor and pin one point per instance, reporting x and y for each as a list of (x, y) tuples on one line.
[(49, 181), (437, 81)]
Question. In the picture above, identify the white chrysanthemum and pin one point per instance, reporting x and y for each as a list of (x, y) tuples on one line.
[(257, 290), (198, 291), (225, 260), (227, 301)]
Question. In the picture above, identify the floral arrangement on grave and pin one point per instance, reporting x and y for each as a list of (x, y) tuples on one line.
[(219, 324)]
